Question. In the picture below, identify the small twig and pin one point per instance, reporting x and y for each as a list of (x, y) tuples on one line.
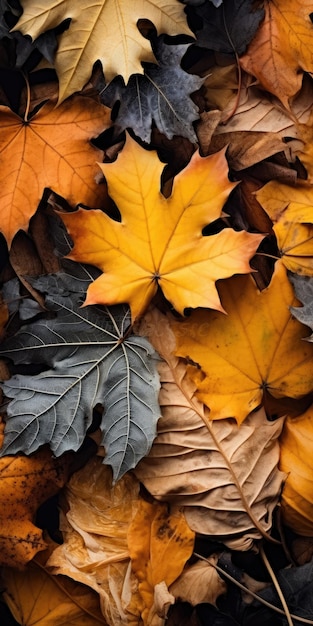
[(276, 585)]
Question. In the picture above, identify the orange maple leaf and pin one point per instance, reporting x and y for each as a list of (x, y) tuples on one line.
[(290, 208), (25, 483), (255, 349), (159, 241), (282, 47), (51, 149)]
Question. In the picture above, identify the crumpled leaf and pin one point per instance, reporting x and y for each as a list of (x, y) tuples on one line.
[(303, 286), (290, 208), (95, 516), (228, 27), (160, 542), (225, 478), (36, 598), (159, 242), (296, 460), (254, 352), (51, 150), (88, 360), (282, 47), (104, 30), (25, 483), (161, 95)]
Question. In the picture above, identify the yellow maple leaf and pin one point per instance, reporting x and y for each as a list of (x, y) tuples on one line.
[(296, 460), (104, 30), (256, 348), (25, 483), (159, 544), (159, 241), (51, 149), (282, 47), (291, 210)]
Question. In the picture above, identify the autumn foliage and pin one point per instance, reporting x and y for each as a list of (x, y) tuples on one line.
[(156, 312)]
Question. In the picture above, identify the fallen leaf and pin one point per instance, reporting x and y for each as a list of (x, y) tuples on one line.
[(282, 48), (225, 478), (88, 359), (296, 460), (26, 482), (36, 598), (161, 96), (255, 350), (230, 27), (95, 516), (198, 583), (51, 149), (290, 208), (105, 31), (160, 542), (159, 241)]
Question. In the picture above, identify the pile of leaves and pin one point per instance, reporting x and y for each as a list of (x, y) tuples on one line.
[(156, 312)]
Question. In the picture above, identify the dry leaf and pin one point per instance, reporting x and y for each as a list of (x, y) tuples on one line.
[(290, 208), (105, 30), (199, 583), (255, 349), (159, 242), (296, 460), (25, 483), (51, 149), (226, 478), (94, 521), (160, 542), (36, 598), (282, 48)]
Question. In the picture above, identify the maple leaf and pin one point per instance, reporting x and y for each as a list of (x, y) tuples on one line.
[(105, 30), (256, 349), (204, 466), (228, 27), (159, 241), (296, 461), (282, 47), (90, 362), (161, 95), (51, 149), (290, 208), (25, 484)]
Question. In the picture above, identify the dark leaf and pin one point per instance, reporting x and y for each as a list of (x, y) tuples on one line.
[(161, 96), (90, 362), (230, 27)]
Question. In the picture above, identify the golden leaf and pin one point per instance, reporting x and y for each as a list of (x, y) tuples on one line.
[(255, 350), (159, 241), (36, 598), (297, 461), (52, 149), (160, 543), (104, 30), (282, 48), (25, 483), (291, 210)]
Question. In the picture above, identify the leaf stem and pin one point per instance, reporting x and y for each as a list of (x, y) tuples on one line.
[(27, 97), (276, 585)]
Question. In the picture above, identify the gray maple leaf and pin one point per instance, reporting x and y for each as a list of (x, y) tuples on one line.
[(87, 358)]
